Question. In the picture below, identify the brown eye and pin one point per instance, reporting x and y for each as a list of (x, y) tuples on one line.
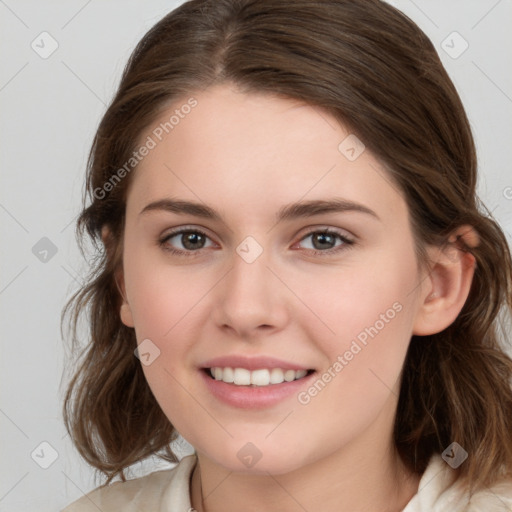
[(323, 240), (185, 241), (192, 240), (327, 241)]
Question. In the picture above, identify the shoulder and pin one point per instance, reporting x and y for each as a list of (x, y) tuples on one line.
[(439, 492), (497, 498), (159, 490)]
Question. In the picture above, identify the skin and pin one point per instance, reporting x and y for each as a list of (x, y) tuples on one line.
[(246, 156)]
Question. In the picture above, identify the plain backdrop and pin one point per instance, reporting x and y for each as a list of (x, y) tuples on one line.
[(60, 64)]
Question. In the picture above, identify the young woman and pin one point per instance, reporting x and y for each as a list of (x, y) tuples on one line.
[(294, 272)]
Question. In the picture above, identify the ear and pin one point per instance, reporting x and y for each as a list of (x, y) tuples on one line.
[(446, 285), (125, 312)]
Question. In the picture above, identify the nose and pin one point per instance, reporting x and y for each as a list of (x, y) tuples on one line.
[(251, 300)]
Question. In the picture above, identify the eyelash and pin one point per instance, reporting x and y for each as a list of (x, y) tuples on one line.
[(347, 243)]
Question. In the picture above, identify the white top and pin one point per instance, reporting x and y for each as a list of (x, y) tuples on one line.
[(169, 491)]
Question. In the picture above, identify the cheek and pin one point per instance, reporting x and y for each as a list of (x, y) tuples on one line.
[(162, 297), (360, 381), (362, 303), (167, 307), (367, 314)]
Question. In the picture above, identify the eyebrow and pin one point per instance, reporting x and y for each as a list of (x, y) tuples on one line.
[(301, 209)]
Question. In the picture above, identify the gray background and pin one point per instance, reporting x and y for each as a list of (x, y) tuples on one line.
[(50, 109)]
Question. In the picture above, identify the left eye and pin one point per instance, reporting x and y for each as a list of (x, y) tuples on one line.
[(326, 240)]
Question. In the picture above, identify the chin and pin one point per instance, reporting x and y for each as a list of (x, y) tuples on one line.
[(253, 459)]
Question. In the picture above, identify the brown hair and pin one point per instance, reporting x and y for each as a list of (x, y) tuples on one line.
[(375, 71)]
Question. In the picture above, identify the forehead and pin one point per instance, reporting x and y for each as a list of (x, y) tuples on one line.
[(252, 151)]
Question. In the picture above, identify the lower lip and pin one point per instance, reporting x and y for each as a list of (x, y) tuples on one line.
[(253, 397)]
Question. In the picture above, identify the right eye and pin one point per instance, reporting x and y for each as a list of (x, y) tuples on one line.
[(191, 240)]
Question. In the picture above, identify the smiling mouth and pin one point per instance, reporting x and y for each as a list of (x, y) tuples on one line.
[(257, 378)]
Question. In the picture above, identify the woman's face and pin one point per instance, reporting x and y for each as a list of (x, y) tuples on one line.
[(256, 283)]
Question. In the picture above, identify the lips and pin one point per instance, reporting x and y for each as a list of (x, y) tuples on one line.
[(252, 363)]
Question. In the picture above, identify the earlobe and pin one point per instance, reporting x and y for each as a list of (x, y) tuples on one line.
[(125, 311), (126, 315), (447, 284)]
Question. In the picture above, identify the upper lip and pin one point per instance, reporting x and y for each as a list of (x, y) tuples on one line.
[(251, 363)]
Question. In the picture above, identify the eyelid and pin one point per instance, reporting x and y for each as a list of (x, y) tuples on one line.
[(323, 228), (186, 228)]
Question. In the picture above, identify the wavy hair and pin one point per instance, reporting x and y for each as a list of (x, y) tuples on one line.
[(375, 71)]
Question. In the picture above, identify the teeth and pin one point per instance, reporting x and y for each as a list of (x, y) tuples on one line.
[(242, 376), (262, 377), (227, 375), (276, 376)]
